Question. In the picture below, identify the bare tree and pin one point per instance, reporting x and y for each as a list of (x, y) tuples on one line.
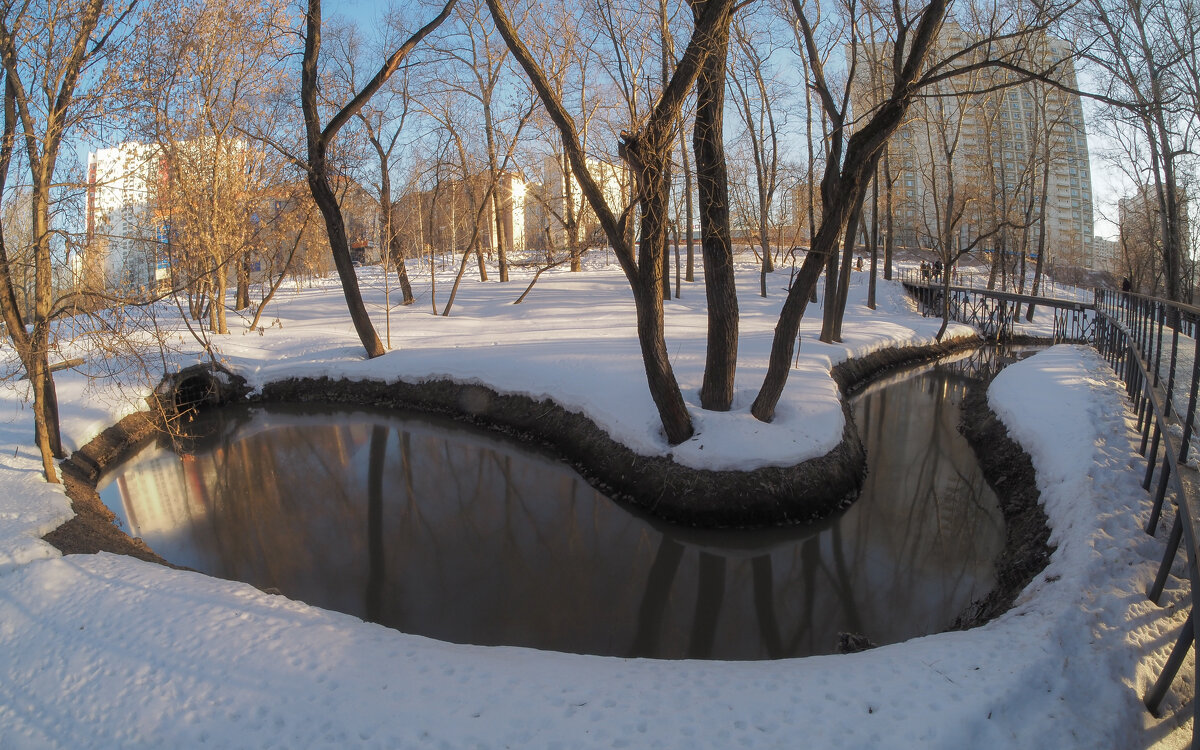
[(382, 122), (52, 56), (848, 167), (565, 44), (482, 58), (911, 66), (647, 151), (755, 95), (205, 79), (716, 245), (1144, 56), (319, 139), (953, 202)]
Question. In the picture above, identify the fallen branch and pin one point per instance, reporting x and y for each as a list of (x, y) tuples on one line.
[(535, 278), (59, 366)]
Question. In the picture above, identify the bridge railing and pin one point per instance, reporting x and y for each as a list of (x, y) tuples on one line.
[(997, 314), (1152, 343)]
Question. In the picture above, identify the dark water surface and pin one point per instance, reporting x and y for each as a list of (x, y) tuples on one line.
[(430, 527)]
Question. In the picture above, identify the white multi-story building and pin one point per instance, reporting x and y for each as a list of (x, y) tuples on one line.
[(613, 180), (511, 191), (122, 236), (1105, 255)]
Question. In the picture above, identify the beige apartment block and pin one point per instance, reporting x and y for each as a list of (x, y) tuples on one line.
[(990, 157)]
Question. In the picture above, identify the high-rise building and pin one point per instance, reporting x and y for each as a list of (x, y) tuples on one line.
[(992, 156), (122, 236), (1139, 251)]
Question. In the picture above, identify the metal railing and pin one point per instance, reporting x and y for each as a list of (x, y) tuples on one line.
[(997, 314), (1151, 344)]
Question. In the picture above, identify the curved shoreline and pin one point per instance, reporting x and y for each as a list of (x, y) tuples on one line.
[(770, 496)]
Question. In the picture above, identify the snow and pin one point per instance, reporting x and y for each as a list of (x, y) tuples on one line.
[(104, 651)]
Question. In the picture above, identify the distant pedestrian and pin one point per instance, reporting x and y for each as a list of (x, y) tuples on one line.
[(937, 270), (858, 262), (1126, 285)]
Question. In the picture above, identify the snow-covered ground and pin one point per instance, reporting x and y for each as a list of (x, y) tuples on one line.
[(104, 651)]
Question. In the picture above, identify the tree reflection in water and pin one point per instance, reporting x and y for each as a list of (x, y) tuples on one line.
[(432, 528)]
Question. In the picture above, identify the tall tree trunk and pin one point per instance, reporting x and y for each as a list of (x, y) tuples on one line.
[(829, 304), (242, 295), (1041, 241), (391, 234), (784, 342), (646, 152), (850, 238), (874, 240), (716, 391), (688, 189), (45, 398), (219, 323), (842, 188), (648, 303), (396, 254), (664, 61), (501, 235), (570, 216), (498, 201), (339, 248), (889, 208), (317, 141)]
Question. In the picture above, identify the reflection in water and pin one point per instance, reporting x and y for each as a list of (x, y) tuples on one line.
[(431, 528)]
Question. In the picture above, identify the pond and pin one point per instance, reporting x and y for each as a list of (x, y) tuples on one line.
[(435, 528)]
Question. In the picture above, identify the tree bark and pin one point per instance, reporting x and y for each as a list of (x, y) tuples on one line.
[(242, 295), (648, 302), (685, 161), (318, 140), (842, 188), (646, 152), (849, 239), (874, 240), (712, 180), (391, 235), (339, 248), (889, 207)]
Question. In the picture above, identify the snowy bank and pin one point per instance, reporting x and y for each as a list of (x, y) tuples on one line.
[(105, 651)]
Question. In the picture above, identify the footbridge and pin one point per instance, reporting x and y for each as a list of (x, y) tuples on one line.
[(1151, 344), (997, 314)]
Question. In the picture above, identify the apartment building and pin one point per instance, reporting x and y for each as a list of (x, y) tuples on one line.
[(992, 158), (550, 200), (122, 236)]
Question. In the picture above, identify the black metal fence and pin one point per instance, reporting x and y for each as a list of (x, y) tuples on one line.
[(1152, 344), (996, 314)]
